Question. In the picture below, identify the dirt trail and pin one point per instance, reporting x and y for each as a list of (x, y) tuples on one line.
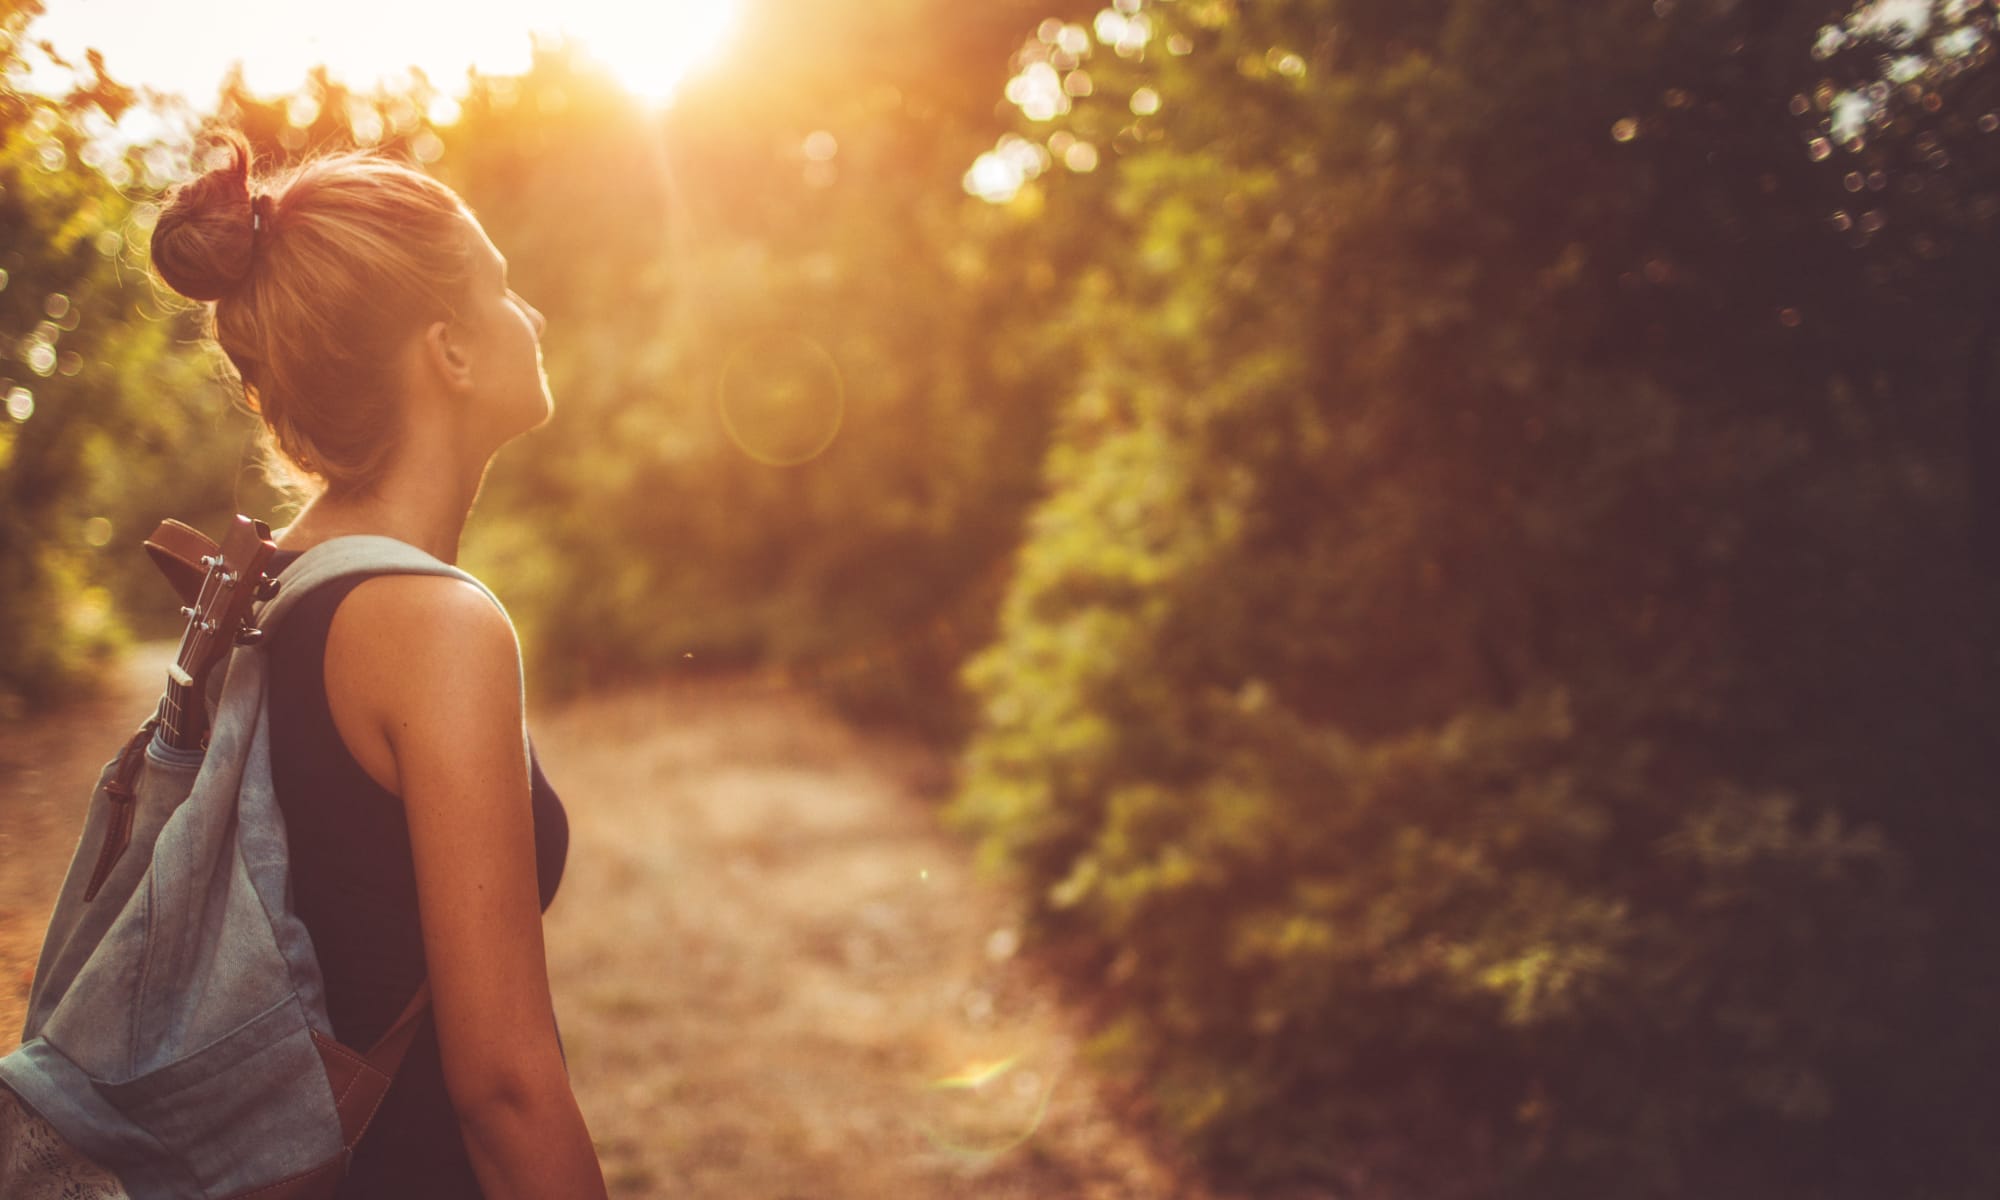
[(776, 976), (47, 766)]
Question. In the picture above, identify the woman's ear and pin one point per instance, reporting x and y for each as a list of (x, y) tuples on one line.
[(445, 356)]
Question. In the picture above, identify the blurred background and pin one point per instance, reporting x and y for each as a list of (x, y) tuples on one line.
[(1452, 544)]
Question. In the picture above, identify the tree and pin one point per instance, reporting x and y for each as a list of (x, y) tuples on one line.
[(1500, 650), (110, 424)]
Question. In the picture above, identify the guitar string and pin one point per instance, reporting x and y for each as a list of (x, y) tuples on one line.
[(174, 712)]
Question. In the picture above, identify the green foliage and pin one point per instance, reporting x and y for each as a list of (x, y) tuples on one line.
[(1497, 683), (110, 422), (1491, 681)]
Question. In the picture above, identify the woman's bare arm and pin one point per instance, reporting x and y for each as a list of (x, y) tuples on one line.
[(423, 671)]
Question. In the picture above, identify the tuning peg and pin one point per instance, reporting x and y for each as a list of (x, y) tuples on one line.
[(267, 587), (249, 636)]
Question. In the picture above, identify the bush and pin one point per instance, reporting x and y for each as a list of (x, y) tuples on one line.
[(110, 424), (1488, 693)]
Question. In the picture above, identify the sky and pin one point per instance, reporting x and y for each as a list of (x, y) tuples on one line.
[(187, 47)]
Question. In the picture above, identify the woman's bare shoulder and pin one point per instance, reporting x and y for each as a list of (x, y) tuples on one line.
[(420, 658), (397, 616)]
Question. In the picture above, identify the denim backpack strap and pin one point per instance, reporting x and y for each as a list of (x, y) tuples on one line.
[(350, 555), (361, 553), (362, 1080)]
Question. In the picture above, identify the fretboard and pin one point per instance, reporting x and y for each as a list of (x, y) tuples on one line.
[(183, 712)]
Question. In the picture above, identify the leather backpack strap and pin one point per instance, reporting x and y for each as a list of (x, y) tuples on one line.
[(361, 1080), (393, 1045)]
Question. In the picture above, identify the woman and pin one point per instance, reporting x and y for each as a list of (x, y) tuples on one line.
[(369, 318)]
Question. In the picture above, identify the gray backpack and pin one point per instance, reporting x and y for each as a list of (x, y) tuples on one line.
[(177, 1044)]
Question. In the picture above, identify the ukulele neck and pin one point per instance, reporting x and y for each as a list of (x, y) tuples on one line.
[(183, 710)]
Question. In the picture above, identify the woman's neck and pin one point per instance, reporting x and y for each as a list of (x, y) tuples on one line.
[(428, 513)]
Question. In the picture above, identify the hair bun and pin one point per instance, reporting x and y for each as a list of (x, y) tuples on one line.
[(204, 238)]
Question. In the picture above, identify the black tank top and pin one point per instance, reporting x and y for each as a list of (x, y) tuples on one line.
[(354, 887)]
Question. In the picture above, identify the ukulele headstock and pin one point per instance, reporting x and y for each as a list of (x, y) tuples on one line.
[(218, 619)]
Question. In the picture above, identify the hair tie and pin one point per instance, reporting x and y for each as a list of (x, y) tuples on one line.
[(260, 209)]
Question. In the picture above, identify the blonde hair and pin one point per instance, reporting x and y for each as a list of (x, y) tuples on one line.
[(316, 276)]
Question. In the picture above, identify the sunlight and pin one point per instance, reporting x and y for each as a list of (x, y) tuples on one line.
[(978, 1073), (649, 49), (987, 1108)]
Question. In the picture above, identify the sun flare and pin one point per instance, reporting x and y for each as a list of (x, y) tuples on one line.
[(649, 49)]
